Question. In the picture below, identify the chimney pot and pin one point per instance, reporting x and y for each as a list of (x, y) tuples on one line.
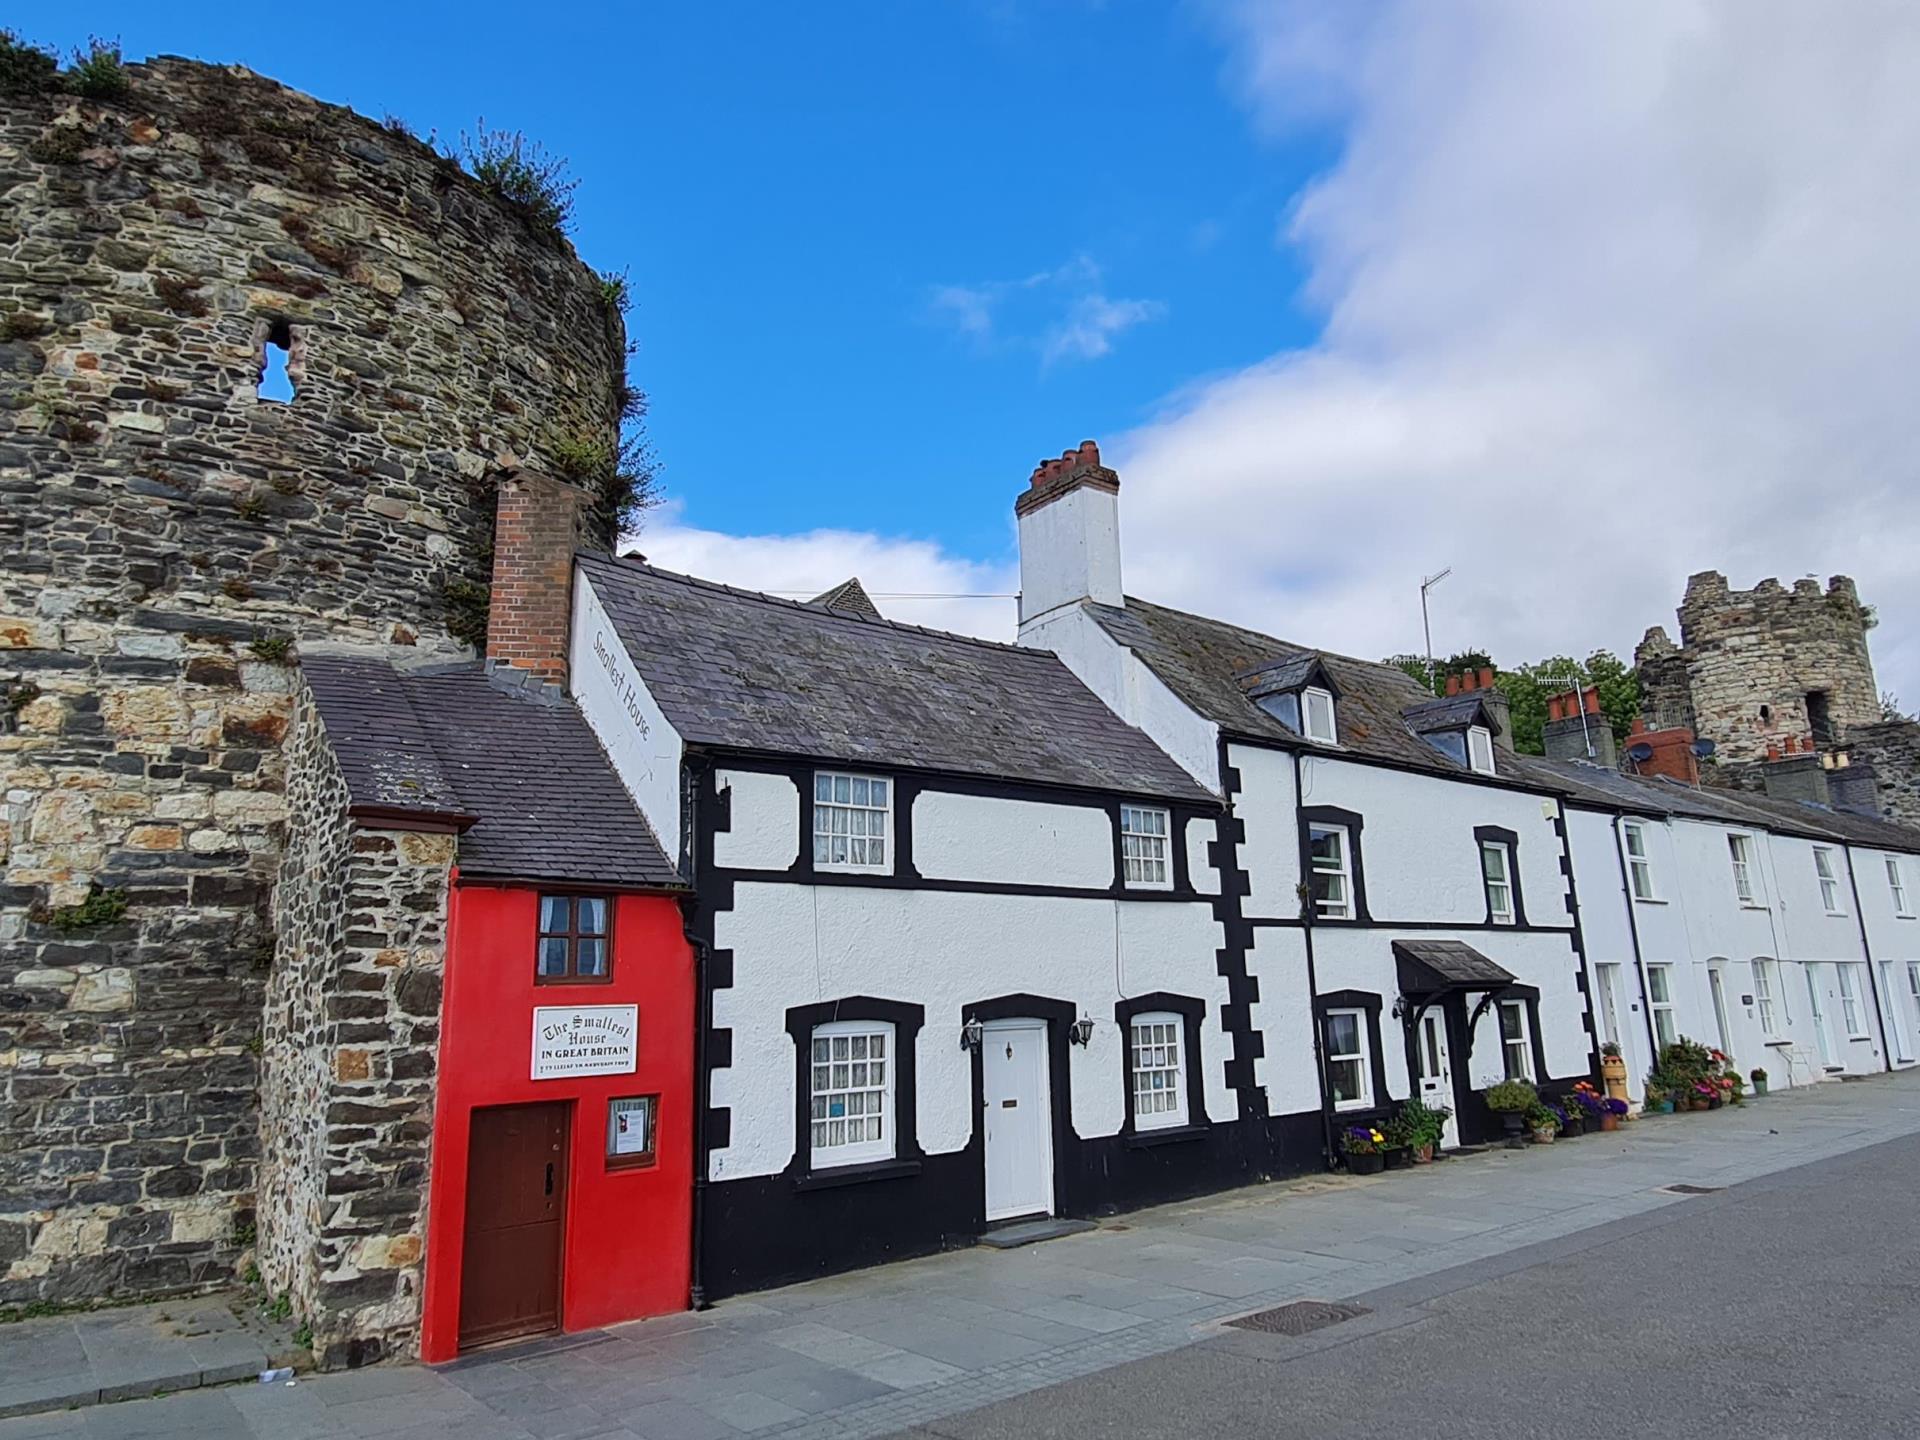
[(1486, 678), (1453, 685)]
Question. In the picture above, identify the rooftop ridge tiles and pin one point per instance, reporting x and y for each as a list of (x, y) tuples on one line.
[(817, 612)]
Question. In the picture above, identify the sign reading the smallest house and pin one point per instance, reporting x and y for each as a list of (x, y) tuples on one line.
[(584, 1040)]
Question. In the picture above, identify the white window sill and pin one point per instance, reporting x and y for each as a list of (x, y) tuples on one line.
[(1160, 1122), (1902, 915), (1648, 900), (1753, 905), (1341, 1107), (822, 869), (1162, 885)]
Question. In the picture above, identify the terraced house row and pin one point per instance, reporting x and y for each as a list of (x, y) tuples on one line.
[(776, 939)]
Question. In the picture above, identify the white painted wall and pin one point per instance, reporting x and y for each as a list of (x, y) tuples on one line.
[(1128, 688), (1069, 551), (1200, 870), (798, 945), (764, 833), (1422, 862), (644, 748), (1894, 940), (1270, 851), (1012, 842)]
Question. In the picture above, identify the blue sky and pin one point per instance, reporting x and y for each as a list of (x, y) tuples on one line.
[(821, 207), (1577, 300)]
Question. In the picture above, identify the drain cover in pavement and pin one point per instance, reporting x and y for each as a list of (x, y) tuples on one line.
[(1693, 1189), (1300, 1318)]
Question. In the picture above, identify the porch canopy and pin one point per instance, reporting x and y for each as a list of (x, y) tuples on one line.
[(1435, 967)]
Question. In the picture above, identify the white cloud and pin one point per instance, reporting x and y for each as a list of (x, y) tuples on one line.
[(1062, 312), (911, 580), (1612, 294)]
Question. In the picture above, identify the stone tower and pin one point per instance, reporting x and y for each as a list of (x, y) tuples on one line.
[(1754, 667), (170, 540)]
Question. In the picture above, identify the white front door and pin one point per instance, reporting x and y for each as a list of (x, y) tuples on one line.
[(1719, 991), (1436, 1073), (1896, 1022), (1913, 995), (1607, 972), (1820, 1035), (1019, 1118)]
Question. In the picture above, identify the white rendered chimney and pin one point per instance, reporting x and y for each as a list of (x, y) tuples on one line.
[(1069, 519)]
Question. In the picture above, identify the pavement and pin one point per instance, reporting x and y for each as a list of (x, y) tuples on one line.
[(60, 1362), (920, 1343), (1786, 1306)]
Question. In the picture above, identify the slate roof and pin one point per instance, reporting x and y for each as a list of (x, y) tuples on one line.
[(1200, 660), (524, 778), (734, 669), (1450, 712), (849, 597), (1447, 965)]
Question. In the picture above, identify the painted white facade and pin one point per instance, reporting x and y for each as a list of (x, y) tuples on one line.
[(1893, 935), (995, 841), (796, 944), (621, 711), (1128, 688), (764, 833), (1070, 551)]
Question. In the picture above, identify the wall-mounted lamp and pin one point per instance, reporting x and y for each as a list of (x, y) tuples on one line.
[(970, 1035), (1081, 1031), (1399, 1007)]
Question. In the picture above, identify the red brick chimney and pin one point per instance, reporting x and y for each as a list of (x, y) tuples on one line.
[(1672, 754), (538, 523)]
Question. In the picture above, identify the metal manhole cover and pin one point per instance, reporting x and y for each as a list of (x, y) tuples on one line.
[(1302, 1317), (1693, 1189)]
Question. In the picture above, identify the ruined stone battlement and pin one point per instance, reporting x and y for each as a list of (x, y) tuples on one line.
[(1754, 667), (169, 538)]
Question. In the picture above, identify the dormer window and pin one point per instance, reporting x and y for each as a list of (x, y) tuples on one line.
[(1480, 749), (1316, 709)]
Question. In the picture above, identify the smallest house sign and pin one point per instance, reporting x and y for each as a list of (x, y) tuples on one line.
[(584, 1040)]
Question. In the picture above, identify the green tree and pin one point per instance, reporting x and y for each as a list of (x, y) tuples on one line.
[(1529, 687)]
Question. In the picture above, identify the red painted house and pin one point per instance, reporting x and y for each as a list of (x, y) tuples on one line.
[(558, 1182)]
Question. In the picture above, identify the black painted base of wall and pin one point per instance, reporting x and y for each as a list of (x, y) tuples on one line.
[(776, 1230)]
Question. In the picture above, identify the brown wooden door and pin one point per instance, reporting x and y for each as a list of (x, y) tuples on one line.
[(516, 1206)]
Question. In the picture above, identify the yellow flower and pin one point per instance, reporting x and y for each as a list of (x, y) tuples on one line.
[(1378, 1138)]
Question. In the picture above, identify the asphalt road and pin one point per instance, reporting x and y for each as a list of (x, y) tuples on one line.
[(1788, 1306)]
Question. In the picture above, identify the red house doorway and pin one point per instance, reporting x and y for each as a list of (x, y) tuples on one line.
[(511, 1262)]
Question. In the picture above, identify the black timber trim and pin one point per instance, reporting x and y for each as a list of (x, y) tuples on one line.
[(1499, 835), (1583, 974), (1245, 1043), (1192, 1014), (712, 814), (1529, 996), (907, 1021), (1352, 821), (1369, 1004), (1477, 926), (904, 874)]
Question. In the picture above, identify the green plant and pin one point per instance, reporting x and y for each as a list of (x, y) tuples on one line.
[(280, 1307), (613, 291), (522, 173), (1758, 1074), (274, 649), (96, 72), (1511, 1096), (101, 907), (250, 507), (244, 1235), (1540, 1117), (1424, 1124), (23, 325), (1362, 1140), (467, 603), (1610, 1050), (62, 145), (303, 1337), (25, 69)]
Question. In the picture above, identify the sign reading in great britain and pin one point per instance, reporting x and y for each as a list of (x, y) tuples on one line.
[(584, 1040)]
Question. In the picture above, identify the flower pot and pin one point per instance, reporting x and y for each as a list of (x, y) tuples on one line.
[(1516, 1126), (1715, 1103), (1700, 1102), (1397, 1158), (1609, 1121), (1543, 1134), (1665, 1107), (1576, 1125), (1759, 1087), (1612, 1067), (1368, 1164), (1423, 1154)]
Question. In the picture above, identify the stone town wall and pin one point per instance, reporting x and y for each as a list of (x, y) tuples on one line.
[(351, 1043), (1750, 658), (166, 538), (1892, 748)]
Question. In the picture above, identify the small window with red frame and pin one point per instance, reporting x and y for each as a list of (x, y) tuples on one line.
[(575, 940)]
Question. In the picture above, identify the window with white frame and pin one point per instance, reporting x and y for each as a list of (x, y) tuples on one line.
[(1159, 1096), (1349, 1066), (1897, 888), (1496, 868), (852, 1084), (1480, 749), (1332, 872), (1639, 863), (1143, 847), (1516, 1043), (1740, 852), (1316, 716), (1660, 1002), (1850, 1000), (1829, 881), (1763, 995), (850, 815)]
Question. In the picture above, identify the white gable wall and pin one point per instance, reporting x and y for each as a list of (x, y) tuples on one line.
[(1895, 942), (644, 748)]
